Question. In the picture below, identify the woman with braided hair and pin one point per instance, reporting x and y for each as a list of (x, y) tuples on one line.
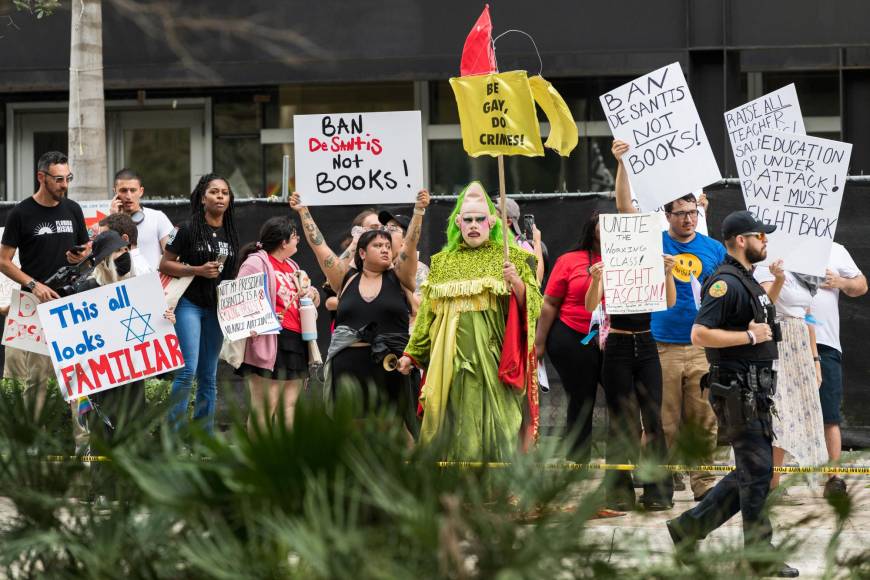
[(205, 247)]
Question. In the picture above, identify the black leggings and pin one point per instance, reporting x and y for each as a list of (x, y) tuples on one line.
[(579, 367), (354, 368), (632, 377)]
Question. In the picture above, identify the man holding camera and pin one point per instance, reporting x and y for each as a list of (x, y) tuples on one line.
[(49, 232), (737, 328)]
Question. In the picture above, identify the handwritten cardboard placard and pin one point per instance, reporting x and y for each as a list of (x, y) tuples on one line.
[(669, 155), (358, 158), (22, 329), (776, 111), (110, 336), (244, 307), (798, 186), (633, 276)]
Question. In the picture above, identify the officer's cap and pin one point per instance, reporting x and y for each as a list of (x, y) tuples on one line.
[(743, 222)]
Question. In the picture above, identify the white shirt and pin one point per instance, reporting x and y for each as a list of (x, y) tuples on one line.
[(140, 264), (154, 227), (826, 303), (794, 298)]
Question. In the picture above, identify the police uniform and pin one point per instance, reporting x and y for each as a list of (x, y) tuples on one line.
[(740, 384)]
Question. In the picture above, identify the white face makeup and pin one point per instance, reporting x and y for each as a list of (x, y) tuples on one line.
[(475, 228)]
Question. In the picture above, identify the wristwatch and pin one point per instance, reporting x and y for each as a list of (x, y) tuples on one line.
[(30, 286)]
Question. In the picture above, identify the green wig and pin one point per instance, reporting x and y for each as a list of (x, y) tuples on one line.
[(454, 234)]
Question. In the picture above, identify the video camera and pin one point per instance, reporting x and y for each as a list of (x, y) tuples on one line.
[(69, 280)]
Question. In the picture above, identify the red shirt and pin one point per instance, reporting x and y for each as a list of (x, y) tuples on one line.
[(569, 281), (287, 294)]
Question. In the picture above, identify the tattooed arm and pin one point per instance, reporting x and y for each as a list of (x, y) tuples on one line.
[(333, 268), (406, 266)]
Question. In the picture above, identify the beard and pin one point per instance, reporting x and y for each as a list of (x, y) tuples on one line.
[(754, 256)]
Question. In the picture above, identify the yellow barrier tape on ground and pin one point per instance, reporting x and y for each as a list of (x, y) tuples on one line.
[(831, 470)]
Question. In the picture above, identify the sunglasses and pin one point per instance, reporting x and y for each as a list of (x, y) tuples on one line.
[(761, 236), (60, 178)]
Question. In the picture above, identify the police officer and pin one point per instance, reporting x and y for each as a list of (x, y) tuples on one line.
[(736, 326)]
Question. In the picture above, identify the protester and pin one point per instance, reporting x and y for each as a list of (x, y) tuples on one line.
[(683, 365), (736, 325), (276, 366), (115, 408), (471, 406), (397, 225), (798, 427), (373, 312), (204, 247), (631, 372), (563, 333), (842, 275), (126, 228), (536, 246), (49, 232), (364, 221), (153, 225)]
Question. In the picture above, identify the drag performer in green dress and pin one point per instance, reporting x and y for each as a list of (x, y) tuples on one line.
[(474, 337)]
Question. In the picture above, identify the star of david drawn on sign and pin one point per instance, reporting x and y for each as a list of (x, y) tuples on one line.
[(138, 326)]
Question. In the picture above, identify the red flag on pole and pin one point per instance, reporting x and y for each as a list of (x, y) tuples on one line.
[(478, 56)]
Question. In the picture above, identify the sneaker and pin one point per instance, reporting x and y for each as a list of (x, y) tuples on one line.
[(780, 571), (834, 487), (656, 505)]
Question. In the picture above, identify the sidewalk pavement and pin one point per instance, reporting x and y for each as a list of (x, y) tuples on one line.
[(646, 537)]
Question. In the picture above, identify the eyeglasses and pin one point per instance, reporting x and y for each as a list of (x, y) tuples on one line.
[(474, 219), (691, 214), (761, 236), (60, 178)]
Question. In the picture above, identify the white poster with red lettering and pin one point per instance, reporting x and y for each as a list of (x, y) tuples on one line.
[(22, 329), (110, 336), (634, 271), (94, 210), (358, 158)]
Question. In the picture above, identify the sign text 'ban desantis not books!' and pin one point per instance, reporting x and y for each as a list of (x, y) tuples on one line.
[(358, 158), (669, 155)]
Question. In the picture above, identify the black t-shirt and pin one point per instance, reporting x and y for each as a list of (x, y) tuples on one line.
[(389, 309), (203, 291), (44, 234), (727, 304)]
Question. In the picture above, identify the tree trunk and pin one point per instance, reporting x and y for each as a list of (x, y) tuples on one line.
[(87, 106)]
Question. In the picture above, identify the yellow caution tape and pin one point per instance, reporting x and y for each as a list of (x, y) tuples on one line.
[(831, 470)]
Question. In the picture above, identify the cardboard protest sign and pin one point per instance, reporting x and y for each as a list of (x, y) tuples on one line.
[(798, 186), (22, 329), (634, 274), (669, 155), (110, 336), (94, 210), (497, 114), (359, 158), (244, 307), (776, 111)]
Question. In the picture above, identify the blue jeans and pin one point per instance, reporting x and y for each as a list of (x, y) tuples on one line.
[(200, 338)]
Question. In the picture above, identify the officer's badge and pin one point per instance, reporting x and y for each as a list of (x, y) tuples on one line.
[(718, 289)]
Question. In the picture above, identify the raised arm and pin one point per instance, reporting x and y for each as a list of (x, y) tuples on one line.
[(622, 187), (596, 288), (406, 268), (773, 288), (333, 268)]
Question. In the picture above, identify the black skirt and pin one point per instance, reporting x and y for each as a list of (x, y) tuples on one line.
[(291, 361)]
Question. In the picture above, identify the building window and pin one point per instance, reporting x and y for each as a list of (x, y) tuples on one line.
[(238, 155)]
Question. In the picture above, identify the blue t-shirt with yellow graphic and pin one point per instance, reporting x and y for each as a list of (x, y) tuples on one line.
[(700, 258)]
